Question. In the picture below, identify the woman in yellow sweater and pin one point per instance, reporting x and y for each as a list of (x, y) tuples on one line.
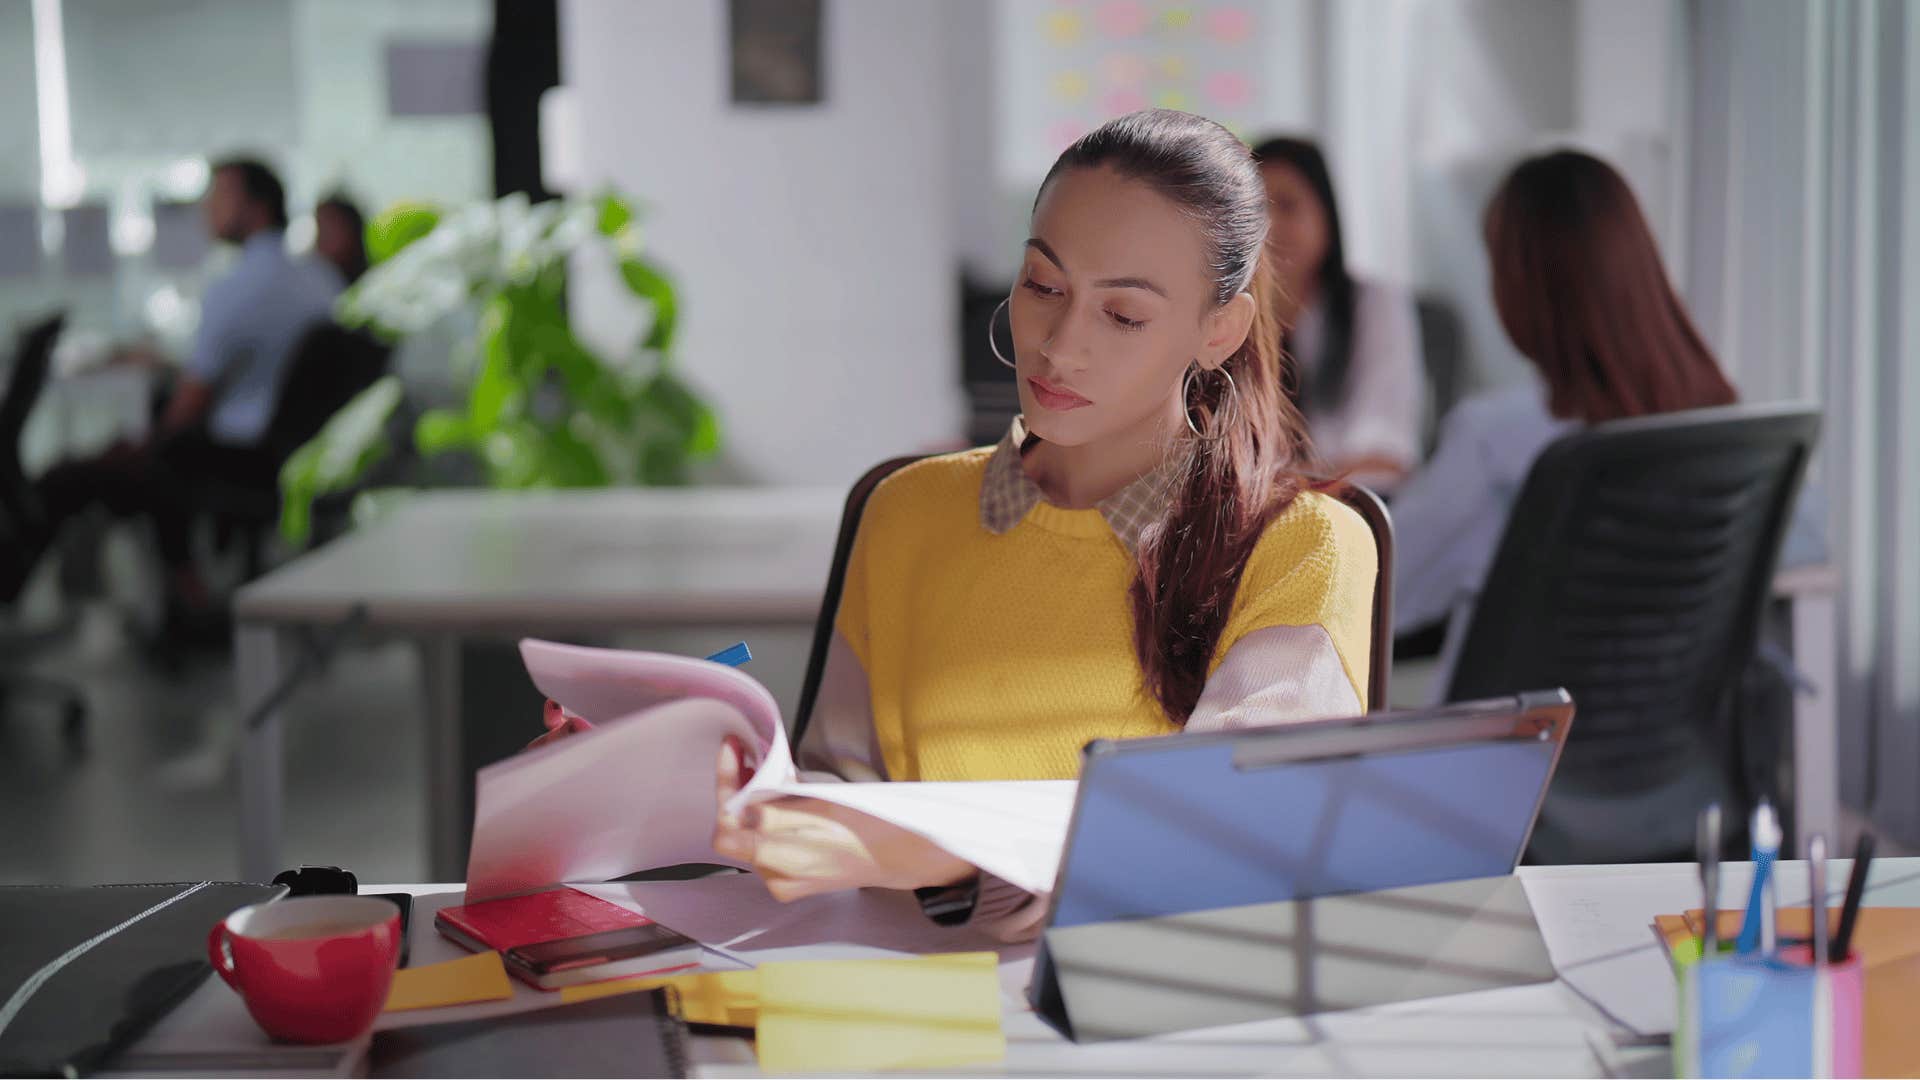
[(1139, 555)]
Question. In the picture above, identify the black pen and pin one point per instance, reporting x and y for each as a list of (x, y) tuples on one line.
[(1856, 889)]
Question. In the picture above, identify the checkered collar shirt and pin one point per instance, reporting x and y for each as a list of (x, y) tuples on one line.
[(1007, 494)]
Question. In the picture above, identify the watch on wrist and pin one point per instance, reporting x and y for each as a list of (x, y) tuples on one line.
[(949, 905)]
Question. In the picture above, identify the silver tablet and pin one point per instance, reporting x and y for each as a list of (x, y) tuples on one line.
[(1196, 822)]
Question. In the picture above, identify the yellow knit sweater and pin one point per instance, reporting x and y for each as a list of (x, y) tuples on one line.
[(997, 657)]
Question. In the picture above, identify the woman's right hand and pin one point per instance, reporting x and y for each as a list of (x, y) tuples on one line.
[(559, 723)]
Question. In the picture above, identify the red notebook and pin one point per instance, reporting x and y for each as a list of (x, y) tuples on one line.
[(547, 915)]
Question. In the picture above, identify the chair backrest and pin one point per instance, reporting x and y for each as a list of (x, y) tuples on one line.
[(31, 363), (1632, 572), (1442, 345), (1365, 502), (1380, 665), (856, 506), (22, 525), (330, 365)]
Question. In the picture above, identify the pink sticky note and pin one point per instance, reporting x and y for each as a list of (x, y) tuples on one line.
[(1123, 18), (1229, 89), (1122, 102), (1230, 24)]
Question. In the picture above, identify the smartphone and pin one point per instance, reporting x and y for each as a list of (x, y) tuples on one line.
[(405, 902), (611, 954)]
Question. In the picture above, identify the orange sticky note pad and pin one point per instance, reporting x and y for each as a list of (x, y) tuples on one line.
[(480, 977)]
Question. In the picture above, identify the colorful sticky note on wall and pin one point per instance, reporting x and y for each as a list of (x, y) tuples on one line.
[(1230, 25), (1069, 86), (922, 1012), (1063, 27), (1123, 18), (1228, 89)]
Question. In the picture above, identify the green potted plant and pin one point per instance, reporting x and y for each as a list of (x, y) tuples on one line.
[(541, 408)]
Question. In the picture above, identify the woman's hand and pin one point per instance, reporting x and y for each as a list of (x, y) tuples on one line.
[(802, 846), (559, 723)]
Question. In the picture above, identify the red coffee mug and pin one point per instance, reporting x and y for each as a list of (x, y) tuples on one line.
[(312, 969)]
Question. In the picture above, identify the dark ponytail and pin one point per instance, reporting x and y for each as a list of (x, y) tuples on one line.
[(1239, 472)]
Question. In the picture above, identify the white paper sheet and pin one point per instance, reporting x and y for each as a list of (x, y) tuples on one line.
[(1014, 829), (1598, 925)]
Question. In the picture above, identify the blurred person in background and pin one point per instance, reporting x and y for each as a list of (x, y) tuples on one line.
[(1581, 292), (215, 420), (340, 236), (1353, 345)]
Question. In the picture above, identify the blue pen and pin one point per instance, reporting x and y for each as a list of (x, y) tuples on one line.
[(1756, 931), (732, 655)]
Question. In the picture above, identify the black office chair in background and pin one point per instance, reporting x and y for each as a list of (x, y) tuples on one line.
[(329, 367), (25, 534), (1632, 572), (1363, 501)]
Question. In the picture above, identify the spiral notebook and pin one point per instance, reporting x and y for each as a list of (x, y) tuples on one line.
[(628, 1035)]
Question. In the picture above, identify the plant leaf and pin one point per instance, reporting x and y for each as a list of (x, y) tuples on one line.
[(346, 447), (514, 454), (399, 225), (439, 431), (650, 284), (615, 214), (499, 391)]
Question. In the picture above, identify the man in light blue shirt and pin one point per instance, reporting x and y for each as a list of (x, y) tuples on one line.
[(213, 430), (251, 319)]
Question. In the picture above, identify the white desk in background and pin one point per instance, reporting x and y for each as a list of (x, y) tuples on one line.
[(1811, 593), (448, 566), (1597, 921)]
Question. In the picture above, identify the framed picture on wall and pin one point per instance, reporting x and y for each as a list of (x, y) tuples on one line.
[(774, 48)]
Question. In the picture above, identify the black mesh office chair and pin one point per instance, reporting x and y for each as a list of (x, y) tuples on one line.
[(24, 531), (1632, 572), (329, 367), (1363, 501)]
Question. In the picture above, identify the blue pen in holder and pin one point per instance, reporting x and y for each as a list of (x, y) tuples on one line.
[(1749, 1014)]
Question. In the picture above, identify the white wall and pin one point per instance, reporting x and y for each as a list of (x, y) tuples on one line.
[(348, 139), (813, 246)]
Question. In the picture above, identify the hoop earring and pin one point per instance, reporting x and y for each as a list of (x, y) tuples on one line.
[(1231, 396), (992, 344)]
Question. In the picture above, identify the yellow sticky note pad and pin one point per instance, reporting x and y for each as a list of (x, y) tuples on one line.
[(855, 1015), (724, 998), (480, 977)]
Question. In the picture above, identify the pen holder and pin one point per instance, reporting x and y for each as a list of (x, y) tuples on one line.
[(1748, 1015)]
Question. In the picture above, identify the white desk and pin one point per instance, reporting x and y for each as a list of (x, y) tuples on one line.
[(454, 565), (1596, 918)]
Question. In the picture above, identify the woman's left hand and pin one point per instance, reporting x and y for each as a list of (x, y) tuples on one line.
[(802, 846)]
